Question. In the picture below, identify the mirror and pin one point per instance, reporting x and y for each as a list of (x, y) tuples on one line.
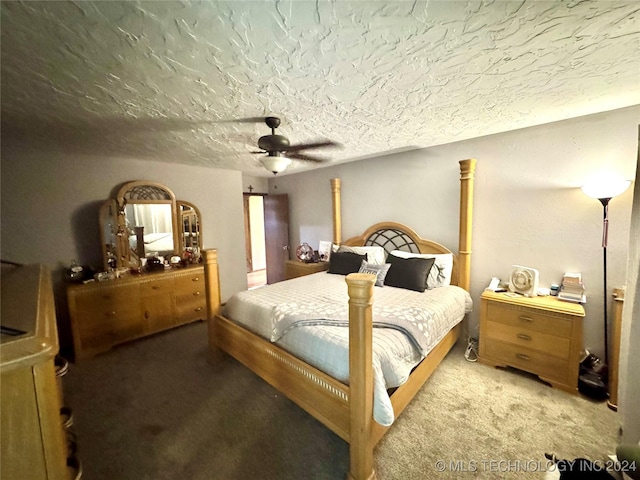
[(145, 219), (150, 229), (190, 236)]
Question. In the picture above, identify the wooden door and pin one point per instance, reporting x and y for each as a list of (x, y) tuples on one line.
[(276, 226)]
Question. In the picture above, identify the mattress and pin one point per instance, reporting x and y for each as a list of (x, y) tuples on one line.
[(326, 347)]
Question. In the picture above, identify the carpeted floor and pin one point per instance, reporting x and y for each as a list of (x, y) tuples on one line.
[(155, 409)]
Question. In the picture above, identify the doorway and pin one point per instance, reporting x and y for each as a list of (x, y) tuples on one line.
[(266, 221), (254, 236)]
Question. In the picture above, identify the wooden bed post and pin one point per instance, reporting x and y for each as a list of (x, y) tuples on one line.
[(360, 288), (337, 220), (467, 171), (212, 286)]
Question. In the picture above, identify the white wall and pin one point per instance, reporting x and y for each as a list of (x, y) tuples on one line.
[(529, 209), (50, 208)]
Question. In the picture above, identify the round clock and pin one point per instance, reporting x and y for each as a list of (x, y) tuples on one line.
[(304, 252)]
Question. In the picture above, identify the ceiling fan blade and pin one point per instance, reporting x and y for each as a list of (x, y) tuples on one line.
[(244, 120), (302, 156), (306, 146)]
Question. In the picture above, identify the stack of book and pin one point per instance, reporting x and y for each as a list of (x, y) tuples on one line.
[(572, 288)]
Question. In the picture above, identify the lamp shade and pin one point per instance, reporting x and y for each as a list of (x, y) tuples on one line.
[(605, 186), (275, 164)]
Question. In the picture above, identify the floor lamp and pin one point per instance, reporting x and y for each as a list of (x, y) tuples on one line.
[(604, 189)]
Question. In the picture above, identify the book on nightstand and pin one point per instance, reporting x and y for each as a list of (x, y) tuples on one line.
[(572, 288)]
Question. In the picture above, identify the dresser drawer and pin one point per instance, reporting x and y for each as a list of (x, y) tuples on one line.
[(527, 359), (104, 299), (529, 318), (191, 312), (191, 282), (161, 286), (101, 328), (540, 342)]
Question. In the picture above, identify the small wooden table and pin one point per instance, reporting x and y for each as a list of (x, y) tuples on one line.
[(540, 335), (296, 268)]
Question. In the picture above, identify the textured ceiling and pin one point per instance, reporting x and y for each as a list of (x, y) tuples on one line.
[(161, 80)]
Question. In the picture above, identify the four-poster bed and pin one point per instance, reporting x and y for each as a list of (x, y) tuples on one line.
[(346, 407)]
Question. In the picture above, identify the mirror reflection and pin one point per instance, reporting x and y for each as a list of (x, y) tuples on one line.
[(150, 228)]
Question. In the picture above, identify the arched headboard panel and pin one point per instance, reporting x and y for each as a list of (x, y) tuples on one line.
[(396, 236)]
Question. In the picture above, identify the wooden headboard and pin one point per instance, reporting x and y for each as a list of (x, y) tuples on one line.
[(395, 236)]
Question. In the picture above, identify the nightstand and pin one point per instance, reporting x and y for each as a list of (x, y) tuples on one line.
[(295, 268), (540, 335)]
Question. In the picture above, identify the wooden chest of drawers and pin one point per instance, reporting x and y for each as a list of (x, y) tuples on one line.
[(541, 335), (295, 268), (104, 314), (34, 444)]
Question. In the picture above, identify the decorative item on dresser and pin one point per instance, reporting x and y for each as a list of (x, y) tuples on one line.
[(157, 297), (36, 441), (541, 335), (296, 268)]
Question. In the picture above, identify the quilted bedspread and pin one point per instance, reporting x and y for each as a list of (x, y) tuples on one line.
[(307, 316)]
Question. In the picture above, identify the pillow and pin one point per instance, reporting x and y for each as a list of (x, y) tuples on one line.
[(409, 273), (344, 263), (440, 274), (374, 254), (380, 271)]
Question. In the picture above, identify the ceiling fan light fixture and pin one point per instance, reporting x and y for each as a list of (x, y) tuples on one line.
[(275, 164)]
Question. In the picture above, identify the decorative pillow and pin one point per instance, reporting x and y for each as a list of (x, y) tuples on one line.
[(409, 273), (440, 274), (380, 271), (374, 254), (344, 263)]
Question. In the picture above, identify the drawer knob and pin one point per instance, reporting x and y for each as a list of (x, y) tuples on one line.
[(111, 314), (197, 309), (525, 319), (524, 336), (522, 356), (195, 279), (195, 294), (155, 287)]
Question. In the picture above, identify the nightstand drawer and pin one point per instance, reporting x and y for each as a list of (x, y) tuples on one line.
[(540, 342), (529, 318), (528, 360)]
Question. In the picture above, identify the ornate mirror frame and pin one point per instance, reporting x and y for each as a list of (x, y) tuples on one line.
[(118, 231)]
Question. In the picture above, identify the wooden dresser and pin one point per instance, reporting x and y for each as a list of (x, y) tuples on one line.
[(33, 438), (295, 268), (108, 313), (541, 335)]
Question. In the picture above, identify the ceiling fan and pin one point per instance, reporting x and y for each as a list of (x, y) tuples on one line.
[(280, 152)]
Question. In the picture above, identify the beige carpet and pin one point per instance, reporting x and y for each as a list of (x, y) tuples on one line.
[(155, 409)]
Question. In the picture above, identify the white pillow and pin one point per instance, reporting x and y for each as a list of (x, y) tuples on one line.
[(374, 254), (440, 274)]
